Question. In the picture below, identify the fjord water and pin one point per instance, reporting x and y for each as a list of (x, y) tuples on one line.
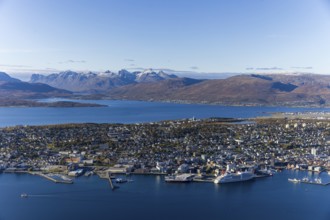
[(131, 112), (149, 197)]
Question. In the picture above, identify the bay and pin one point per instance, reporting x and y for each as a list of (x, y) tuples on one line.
[(149, 197), (131, 112)]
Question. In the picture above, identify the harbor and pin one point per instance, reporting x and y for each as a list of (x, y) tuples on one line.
[(153, 191), (228, 176)]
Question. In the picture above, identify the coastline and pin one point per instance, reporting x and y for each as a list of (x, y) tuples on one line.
[(234, 104), (197, 179), (74, 102), (35, 104)]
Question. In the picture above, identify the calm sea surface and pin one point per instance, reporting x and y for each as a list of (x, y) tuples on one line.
[(149, 197), (131, 112)]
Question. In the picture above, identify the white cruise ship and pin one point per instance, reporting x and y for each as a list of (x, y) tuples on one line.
[(234, 177)]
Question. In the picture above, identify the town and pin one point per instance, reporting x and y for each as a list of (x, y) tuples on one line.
[(183, 146)]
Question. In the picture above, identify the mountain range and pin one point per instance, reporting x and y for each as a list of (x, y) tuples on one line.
[(296, 89), (253, 89), (98, 82)]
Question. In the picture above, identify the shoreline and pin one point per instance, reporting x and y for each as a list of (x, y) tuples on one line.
[(34, 104), (197, 179), (74, 102), (233, 104)]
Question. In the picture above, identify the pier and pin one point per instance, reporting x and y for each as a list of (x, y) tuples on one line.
[(55, 180), (315, 183), (113, 187)]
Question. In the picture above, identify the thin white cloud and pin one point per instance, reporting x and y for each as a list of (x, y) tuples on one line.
[(72, 61), (264, 68), (13, 66), (302, 67)]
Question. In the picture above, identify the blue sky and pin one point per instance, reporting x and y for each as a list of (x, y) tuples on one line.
[(205, 36)]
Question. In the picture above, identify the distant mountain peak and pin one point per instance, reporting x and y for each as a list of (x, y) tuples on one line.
[(148, 71), (6, 78), (149, 75)]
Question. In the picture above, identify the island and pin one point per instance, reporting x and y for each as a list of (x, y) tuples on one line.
[(32, 103)]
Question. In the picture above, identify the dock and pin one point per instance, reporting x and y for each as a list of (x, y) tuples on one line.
[(315, 183), (55, 180), (113, 187)]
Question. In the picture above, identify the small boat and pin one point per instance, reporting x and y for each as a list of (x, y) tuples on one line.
[(120, 180), (265, 172), (305, 180), (24, 195), (318, 180), (89, 173), (294, 180)]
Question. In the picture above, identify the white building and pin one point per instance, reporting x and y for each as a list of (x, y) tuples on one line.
[(314, 151)]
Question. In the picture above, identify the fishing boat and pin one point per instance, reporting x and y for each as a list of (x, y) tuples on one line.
[(24, 195), (120, 180), (294, 180)]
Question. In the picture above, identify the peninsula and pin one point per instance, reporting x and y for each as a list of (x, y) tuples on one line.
[(184, 146)]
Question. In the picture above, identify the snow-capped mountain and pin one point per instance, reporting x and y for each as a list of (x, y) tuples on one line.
[(151, 76), (98, 82)]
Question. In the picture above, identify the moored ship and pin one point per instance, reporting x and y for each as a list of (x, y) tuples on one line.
[(234, 177)]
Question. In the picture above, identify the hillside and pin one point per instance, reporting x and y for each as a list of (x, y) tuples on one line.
[(253, 89), (11, 88), (290, 90), (161, 90), (23, 90)]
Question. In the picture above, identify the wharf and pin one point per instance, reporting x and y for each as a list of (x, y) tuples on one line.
[(105, 175), (52, 178), (113, 187), (149, 173), (315, 183), (15, 171)]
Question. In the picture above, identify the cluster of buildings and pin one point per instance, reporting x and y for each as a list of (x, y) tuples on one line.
[(196, 146)]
